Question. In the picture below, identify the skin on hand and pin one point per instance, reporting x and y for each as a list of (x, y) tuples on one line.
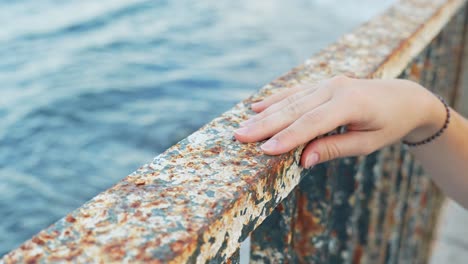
[(376, 113)]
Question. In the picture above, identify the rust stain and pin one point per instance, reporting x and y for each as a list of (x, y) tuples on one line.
[(307, 224), (416, 71), (38, 241), (70, 219), (357, 255)]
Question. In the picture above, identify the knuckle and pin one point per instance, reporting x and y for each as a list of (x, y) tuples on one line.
[(262, 115), (294, 109), (313, 116), (262, 124), (290, 99), (332, 151), (293, 98), (338, 81), (288, 134)]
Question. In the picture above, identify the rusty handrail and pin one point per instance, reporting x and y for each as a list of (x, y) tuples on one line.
[(199, 199)]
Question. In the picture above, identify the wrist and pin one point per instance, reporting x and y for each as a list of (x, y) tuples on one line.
[(433, 118)]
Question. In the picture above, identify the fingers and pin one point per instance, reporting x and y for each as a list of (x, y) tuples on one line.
[(316, 122), (267, 127), (272, 99), (297, 116), (293, 101), (282, 115), (352, 143)]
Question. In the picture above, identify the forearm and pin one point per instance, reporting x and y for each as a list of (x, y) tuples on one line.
[(446, 159)]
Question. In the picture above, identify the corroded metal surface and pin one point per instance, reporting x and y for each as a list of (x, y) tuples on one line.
[(199, 199), (272, 241), (314, 207)]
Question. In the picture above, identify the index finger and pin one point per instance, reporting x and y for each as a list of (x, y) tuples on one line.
[(274, 98), (312, 124)]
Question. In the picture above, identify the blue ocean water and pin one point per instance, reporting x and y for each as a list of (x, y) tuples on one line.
[(90, 90)]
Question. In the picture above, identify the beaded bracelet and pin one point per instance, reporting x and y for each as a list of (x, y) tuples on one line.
[(436, 135)]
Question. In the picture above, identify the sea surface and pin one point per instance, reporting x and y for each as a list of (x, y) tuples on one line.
[(90, 90)]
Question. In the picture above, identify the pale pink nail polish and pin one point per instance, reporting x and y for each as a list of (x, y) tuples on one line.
[(312, 159)]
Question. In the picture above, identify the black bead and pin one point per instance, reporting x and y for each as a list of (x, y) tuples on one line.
[(436, 135)]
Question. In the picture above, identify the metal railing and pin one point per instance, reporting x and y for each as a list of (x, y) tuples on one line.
[(201, 198)]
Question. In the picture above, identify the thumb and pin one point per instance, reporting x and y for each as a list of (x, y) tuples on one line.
[(353, 143)]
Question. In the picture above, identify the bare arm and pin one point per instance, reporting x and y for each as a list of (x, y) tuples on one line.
[(446, 159), (377, 113)]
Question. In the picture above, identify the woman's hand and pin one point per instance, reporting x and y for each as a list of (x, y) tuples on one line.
[(375, 112)]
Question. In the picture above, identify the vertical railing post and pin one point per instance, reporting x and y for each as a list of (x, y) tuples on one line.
[(271, 242)]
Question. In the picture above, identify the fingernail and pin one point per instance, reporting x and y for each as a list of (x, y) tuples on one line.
[(258, 104), (242, 131), (270, 145), (312, 159)]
